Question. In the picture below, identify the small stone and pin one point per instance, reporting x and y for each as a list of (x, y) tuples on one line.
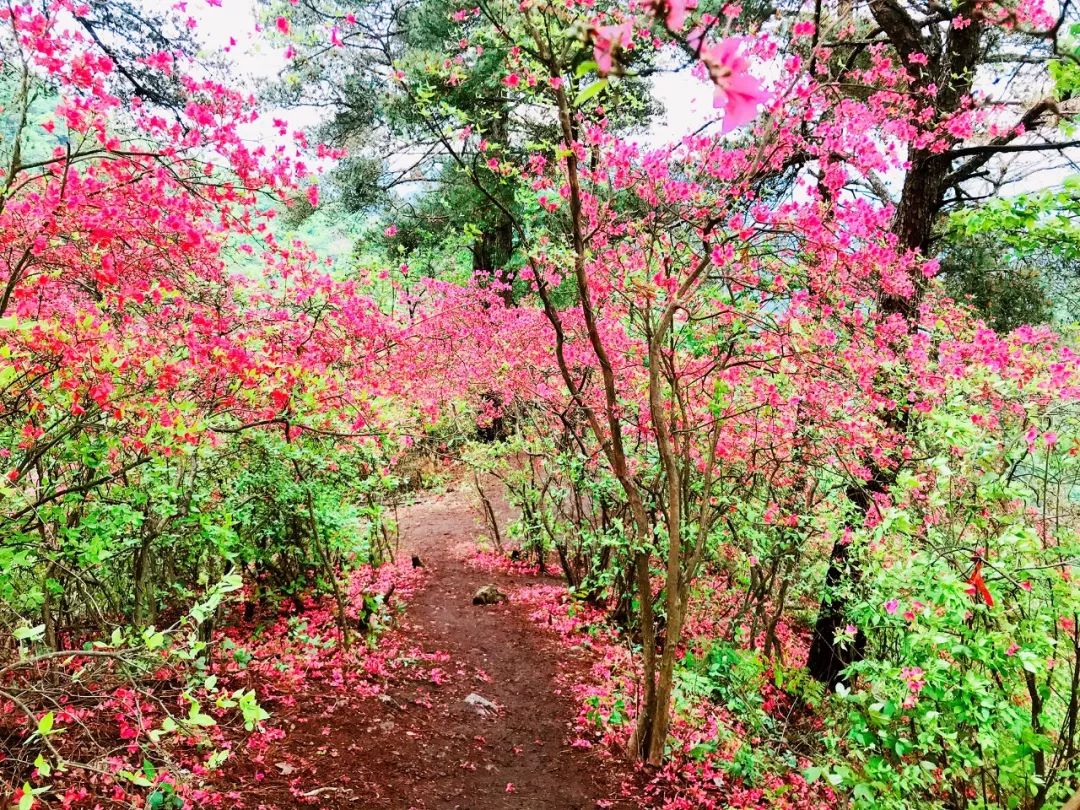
[(489, 595), (481, 704)]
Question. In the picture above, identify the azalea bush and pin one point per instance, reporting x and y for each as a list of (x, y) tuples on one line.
[(164, 417), (968, 690), (564, 509)]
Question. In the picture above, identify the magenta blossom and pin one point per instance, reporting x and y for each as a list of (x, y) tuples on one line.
[(606, 40), (674, 11), (737, 93)]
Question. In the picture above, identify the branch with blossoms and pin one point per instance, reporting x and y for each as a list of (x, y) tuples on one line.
[(737, 93)]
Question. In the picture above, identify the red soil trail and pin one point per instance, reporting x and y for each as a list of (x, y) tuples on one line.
[(421, 745)]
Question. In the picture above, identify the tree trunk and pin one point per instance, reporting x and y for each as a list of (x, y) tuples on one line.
[(640, 742), (142, 566), (665, 682), (48, 615), (489, 514), (491, 255), (331, 574), (913, 224), (920, 203), (827, 659)]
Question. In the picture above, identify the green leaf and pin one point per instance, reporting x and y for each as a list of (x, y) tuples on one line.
[(136, 778), (202, 720), (152, 639), (45, 724), (863, 792), (250, 708), (27, 799), (12, 322), (43, 766), (587, 66), (28, 633), (591, 91)]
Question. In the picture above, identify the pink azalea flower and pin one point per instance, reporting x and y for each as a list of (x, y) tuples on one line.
[(891, 606), (283, 25), (916, 680), (676, 10), (738, 93), (608, 38)]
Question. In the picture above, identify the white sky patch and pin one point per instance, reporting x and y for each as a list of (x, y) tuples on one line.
[(688, 105)]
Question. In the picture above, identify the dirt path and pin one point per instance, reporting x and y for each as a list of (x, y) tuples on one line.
[(422, 745), (525, 744)]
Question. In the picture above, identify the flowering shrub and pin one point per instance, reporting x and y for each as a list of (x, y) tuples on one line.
[(968, 602)]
